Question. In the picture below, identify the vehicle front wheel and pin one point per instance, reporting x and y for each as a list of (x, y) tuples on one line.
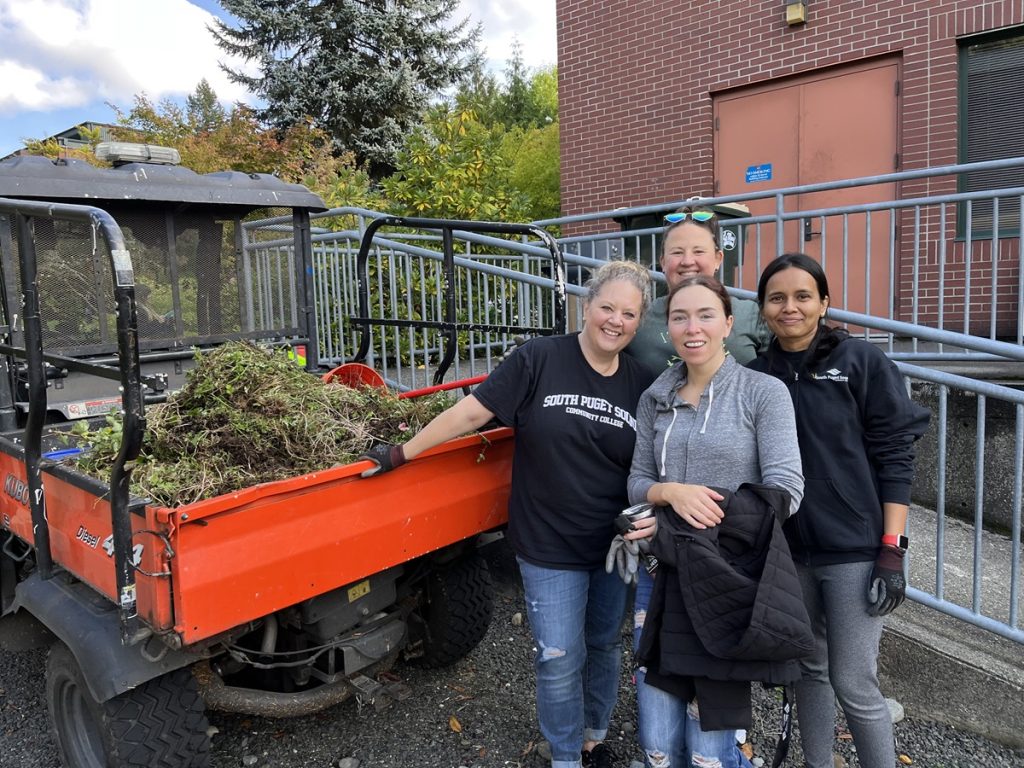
[(160, 723)]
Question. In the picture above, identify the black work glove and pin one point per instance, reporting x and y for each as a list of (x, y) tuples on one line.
[(888, 587), (385, 455)]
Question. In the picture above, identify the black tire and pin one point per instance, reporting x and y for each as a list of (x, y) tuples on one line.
[(457, 610), (160, 723)]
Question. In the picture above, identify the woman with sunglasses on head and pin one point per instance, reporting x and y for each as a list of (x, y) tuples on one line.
[(706, 423), (571, 400), (857, 427), (690, 246)]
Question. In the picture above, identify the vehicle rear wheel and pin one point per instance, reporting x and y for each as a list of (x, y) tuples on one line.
[(161, 722), (457, 610)]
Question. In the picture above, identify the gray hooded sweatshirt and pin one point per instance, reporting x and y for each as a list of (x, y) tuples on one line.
[(742, 431)]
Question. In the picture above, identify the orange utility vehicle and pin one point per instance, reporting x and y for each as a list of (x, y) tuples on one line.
[(279, 599)]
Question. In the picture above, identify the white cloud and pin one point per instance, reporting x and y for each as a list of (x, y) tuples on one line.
[(61, 53), (532, 22), (23, 87)]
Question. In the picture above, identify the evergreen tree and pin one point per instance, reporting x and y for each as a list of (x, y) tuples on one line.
[(525, 99), (514, 108), (480, 93), (205, 113), (363, 70)]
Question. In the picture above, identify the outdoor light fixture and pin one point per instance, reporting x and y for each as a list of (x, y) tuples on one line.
[(796, 13)]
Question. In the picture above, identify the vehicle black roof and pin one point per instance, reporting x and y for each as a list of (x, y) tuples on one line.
[(69, 180)]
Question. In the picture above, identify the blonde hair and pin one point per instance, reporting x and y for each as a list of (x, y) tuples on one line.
[(629, 271)]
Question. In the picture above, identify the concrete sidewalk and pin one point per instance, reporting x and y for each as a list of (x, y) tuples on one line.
[(942, 668)]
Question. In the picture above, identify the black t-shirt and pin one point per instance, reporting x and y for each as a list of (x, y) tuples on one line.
[(575, 431)]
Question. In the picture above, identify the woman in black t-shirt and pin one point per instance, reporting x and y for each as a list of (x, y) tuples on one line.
[(572, 401)]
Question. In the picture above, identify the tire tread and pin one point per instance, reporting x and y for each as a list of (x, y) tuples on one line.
[(461, 604), (159, 724)]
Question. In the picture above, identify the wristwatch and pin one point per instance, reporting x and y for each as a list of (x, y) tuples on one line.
[(896, 540)]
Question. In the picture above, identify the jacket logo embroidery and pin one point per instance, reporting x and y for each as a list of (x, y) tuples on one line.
[(832, 374)]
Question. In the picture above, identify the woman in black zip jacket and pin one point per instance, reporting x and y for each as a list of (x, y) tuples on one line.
[(856, 426)]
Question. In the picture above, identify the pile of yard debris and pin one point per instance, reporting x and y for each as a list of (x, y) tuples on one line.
[(249, 415)]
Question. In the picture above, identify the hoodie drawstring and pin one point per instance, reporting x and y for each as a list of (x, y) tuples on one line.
[(675, 413), (711, 399), (664, 443)]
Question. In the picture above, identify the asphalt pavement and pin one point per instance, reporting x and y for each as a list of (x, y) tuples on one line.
[(479, 713)]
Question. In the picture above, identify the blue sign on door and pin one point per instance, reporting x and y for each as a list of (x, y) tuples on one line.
[(756, 173)]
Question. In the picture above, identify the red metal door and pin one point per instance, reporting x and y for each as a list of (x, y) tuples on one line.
[(827, 126)]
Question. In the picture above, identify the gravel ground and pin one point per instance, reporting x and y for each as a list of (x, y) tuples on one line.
[(477, 714)]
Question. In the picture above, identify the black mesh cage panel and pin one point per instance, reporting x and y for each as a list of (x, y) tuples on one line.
[(192, 282), (76, 297), (204, 248)]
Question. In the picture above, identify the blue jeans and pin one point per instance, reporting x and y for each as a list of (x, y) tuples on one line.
[(576, 618), (670, 731)]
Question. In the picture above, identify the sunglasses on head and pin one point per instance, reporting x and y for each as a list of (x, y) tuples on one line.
[(676, 217)]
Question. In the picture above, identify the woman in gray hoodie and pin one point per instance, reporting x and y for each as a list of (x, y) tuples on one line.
[(706, 421)]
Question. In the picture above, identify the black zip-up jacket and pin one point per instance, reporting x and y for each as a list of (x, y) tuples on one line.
[(857, 427), (726, 607)]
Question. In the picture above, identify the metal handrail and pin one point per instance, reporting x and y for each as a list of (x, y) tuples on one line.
[(862, 181)]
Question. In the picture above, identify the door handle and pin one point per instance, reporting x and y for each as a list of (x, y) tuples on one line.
[(808, 233)]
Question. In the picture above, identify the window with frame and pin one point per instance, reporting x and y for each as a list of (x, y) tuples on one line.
[(991, 105)]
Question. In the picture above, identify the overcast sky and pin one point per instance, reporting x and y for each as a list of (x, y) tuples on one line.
[(62, 61)]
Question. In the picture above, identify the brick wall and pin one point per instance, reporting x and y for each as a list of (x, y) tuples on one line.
[(635, 80)]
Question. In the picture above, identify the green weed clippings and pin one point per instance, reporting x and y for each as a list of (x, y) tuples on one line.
[(249, 415)]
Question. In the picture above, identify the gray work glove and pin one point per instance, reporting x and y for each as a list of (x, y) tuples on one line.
[(623, 555), (887, 587)]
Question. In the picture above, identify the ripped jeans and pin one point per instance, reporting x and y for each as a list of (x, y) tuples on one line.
[(576, 618), (670, 733)]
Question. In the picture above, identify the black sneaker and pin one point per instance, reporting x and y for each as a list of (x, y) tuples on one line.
[(601, 756)]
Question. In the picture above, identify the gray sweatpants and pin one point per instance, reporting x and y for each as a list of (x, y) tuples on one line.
[(844, 665)]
